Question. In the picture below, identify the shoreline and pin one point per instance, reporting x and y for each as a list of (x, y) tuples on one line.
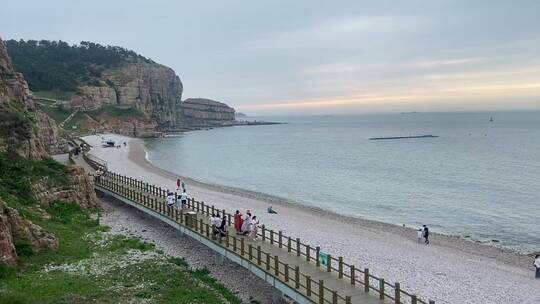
[(458, 269), (139, 155)]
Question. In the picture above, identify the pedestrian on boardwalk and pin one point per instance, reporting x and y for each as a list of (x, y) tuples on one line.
[(426, 235), (183, 199), (221, 229), (537, 265), (254, 228), (238, 222), (419, 234), (170, 199), (246, 224)]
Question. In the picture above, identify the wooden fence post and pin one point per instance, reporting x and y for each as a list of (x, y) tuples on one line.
[(366, 280), (280, 239), (308, 286), (297, 246), (263, 230), (267, 262), (334, 297), (242, 246), (340, 267), (271, 236), (288, 244), (286, 272), (308, 253), (259, 255), (297, 277), (414, 300), (321, 292), (353, 275), (397, 295), (329, 263), (276, 266), (348, 300), (381, 289), (250, 251)]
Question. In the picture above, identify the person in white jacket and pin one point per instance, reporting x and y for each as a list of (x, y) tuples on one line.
[(537, 265)]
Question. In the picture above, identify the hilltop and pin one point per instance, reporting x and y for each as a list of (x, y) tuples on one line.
[(89, 87)]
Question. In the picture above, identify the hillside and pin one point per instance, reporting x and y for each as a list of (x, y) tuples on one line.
[(109, 88), (53, 248)]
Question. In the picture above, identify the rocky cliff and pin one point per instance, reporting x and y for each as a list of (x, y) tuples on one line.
[(29, 133), (200, 112), (32, 136), (16, 230)]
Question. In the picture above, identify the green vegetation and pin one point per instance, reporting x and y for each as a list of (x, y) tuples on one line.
[(58, 95), (113, 111), (91, 265), (56, 65), (56, 113)]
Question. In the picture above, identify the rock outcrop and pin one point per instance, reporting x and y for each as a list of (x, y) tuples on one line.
[(16, 230), (151, 89), (22, 128), (200, 112), (78, 190)]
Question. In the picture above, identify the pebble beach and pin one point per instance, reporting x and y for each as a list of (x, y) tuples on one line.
[(449, 270)]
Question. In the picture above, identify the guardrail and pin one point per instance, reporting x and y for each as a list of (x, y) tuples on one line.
[(154, 197)]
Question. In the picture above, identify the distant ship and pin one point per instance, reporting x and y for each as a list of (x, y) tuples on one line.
[(404, 137), (491, 119)]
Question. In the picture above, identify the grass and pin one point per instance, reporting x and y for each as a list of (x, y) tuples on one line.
[(59, 95), (91, 265), (76, 121), (56, 113), (120, 113)]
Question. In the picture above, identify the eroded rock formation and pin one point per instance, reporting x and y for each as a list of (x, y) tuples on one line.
[(16, 230), (78, 190), (201, 112)]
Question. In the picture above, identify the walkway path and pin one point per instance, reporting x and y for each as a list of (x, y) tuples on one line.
[(297, 269)]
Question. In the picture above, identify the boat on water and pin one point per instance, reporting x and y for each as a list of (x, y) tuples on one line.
[(404, 137)]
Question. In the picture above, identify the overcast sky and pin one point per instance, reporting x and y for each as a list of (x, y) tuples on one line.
[(313, 57)]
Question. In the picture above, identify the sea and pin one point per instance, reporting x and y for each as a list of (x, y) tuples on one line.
[(478, 179)]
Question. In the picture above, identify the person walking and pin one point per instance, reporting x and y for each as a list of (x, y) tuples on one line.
[(537, 265), (254, 228), (238, 222), (246, 224), (419, 234), (170, 199), (426, 235), (183, 199)]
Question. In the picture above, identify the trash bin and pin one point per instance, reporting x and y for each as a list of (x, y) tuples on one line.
[(191, 219)]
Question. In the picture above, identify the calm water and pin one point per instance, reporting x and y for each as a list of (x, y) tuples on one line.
[(478, 179)]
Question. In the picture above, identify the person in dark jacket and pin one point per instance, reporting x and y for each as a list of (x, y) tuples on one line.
[(426, 234)]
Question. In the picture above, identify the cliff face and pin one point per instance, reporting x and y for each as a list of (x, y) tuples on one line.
[(31, 134), (200, 112), (151, 89)]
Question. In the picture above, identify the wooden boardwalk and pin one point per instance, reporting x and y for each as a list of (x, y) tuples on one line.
[(318, 277)]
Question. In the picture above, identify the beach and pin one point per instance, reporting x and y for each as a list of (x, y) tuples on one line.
[(449, 270)]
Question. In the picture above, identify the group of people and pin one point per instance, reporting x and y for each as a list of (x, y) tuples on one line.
[(423, 233), (180, 200), (218, 225), (246, 224)]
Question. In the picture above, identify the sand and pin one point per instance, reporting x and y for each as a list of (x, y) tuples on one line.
[(449, 270)]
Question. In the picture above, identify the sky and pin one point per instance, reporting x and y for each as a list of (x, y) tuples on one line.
[(316, 57)]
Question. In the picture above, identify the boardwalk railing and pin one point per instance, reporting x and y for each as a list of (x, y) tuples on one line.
[(154, 198)]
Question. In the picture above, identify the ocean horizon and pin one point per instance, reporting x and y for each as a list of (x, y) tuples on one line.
[(478, 179)]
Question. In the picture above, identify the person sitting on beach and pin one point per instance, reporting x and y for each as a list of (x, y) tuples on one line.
[(170, 199), (246, 224), (271, 210), (426, 235), (238, 222), (183, 199), (254, 228), (537, 265)]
